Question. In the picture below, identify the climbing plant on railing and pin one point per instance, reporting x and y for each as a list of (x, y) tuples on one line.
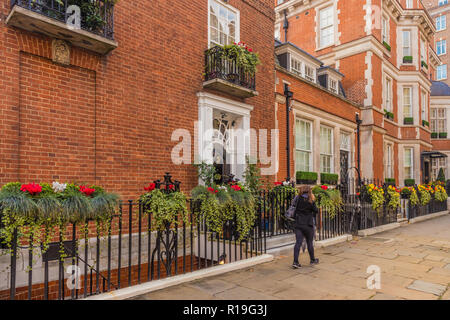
[(328, 199)]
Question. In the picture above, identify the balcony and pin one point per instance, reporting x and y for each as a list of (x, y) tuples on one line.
[(225, 75), (52, 18)]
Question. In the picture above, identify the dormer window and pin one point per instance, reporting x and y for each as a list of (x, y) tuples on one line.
[(333, 86), (309, 73), (296, 66)]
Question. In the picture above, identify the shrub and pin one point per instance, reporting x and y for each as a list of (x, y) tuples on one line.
[(410, 182), (441, 175), (408, 120), (308, 177), (390, 181), (407, 59), (386, 45), (434, 135), (443, 135)]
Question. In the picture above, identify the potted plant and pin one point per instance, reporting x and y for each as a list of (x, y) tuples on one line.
[(304, 177), (425, 123), (424, 65), (443, 135), (390, 181), (410, 182), (328, 199), (386, 45), (329, 178), (434, 135), (388, 115), (408, 120), (407, 59)]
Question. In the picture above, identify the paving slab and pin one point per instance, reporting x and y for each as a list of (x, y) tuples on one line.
[(428, 287)]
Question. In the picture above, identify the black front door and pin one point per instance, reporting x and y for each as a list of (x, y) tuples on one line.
[(426, 171), (344, 171)]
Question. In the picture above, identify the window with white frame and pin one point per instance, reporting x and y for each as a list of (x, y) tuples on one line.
[(333, 85), (388, 94), (424, 99), (346, 142), (326, 26), (441, 47), (437, 164), (441, 23), (388, 169), (406, 43), (296, 66), (441, 72), (423, 51), (277, 32), (442, 2), (223, 24), (310, 73), (303, 145), (409, 4), (407, 102), (408, 163), (438, 121), (326, 150), (385, 31)]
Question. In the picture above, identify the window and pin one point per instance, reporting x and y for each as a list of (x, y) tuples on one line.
[(406, 43), (223, 24), (407, 102), (409, 4), (424, 106), (385, 33), (437, 164), (326, 149), (309, 74), (441, 47), (303, 145), (296, 66), (441, 23), (408, 161), (326, 26), (441, 72), (442, 2), (388, 95), (333, 86), (438, 121), (388, 172), (423, 51), (346, 141), (277, 32), (280, 2)]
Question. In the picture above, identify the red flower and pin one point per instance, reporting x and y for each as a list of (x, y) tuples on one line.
[(236, 188), (278, 183), (150, 187), (87, 191), (324, 187), (358, 194), (212, 190), (31, 188), (250, 50), (171, 187)]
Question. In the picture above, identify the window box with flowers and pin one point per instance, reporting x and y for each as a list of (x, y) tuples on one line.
[(425, 123), (408, 120), (407, 59), (328, 199), (232, 69)]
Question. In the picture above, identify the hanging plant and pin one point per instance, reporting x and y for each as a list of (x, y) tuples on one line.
[(376, 194), (328, 199), (393, 195), (164, 206), (425, 194), (243, 55), (440, 194)]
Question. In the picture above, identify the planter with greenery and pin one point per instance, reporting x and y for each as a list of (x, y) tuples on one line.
[(440, 194), (410, 193), (388, 115), (243, 55), (425, 123), (424, 65), (443, 135), (410, 182), (304, 177), (425, 192), (37, 210), (393, 197), (434, 135), (328, 199), (329, 178), (408, 120), (390, 181), (407, 59), (376, 194), (441, 176), (387, 46)]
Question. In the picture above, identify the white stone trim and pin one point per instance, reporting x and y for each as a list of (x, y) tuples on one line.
[(368, 76)]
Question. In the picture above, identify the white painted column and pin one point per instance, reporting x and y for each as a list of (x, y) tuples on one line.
[(205, 134), (337, 150)]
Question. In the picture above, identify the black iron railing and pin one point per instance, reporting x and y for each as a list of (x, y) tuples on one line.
[(97, 16), (433, 206), (219, 67)]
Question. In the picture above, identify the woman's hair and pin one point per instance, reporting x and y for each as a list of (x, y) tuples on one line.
[(306, 190)]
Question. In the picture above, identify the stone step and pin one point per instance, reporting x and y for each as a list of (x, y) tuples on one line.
[(279, 241)]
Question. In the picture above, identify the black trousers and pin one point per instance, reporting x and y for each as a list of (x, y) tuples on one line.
[(300, 233)]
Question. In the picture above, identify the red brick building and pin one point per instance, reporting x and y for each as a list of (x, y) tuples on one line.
[(384, 49), (101, 106)]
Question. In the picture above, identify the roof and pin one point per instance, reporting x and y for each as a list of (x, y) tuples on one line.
[(434, 154), (280, 44), (439, 89), (331, 68)]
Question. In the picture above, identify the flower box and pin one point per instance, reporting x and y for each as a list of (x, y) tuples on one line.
[(304, 177), (410, 182), (329, 178), (443, 135), (407, 59), (390, 181), (425, 123), (408, 120), (434, 135), (424, 65), (388, 115), (387, 46)]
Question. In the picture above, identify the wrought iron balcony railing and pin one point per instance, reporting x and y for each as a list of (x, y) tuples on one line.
[(232, 78), (97, 16)]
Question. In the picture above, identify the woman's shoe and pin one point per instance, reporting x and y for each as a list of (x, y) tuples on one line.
[(296, 265), (315, 261)]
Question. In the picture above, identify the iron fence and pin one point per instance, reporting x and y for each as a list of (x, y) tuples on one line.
[(97, 16), (433, 206), (217, 66)]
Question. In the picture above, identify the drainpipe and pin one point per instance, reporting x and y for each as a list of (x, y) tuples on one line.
[(285, 25), (289, 95), (358, 130)]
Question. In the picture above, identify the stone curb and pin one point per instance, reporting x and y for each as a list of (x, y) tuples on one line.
[(151, 286), (371, 231), (317, 244), (429, 216)]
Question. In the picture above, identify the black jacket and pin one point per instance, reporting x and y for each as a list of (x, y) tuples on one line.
[(305, 213)]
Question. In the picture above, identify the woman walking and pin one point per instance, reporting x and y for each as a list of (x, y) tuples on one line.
[(305, 216)]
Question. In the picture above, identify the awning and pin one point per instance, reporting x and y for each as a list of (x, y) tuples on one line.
[(433, 154)]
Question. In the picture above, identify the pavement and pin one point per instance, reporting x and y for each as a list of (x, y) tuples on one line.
[(414, 264)]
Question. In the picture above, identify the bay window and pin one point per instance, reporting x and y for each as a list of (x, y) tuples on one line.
[(223, 24), (388, 170), (408, 163), (388, 94), (438, 120), (406, 43), (303, 145), (407, 102), (326, 150)]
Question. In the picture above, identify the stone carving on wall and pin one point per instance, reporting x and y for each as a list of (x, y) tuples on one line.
[(61, 52)]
